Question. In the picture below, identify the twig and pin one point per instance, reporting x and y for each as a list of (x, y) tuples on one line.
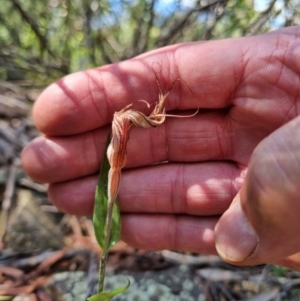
[(92, 271), (225, 291), (149, 26), (261, 20), (33, 185), (75, 225), (179, 25), (211, 260), (8, 196), (34, 26), (210, 27)]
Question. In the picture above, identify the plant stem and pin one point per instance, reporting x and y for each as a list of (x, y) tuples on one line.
[(104, 254), (102, 267)]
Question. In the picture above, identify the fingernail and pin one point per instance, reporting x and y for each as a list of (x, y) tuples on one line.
[(235, 238)]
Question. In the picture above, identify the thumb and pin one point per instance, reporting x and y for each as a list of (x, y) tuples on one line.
[(262, 224)]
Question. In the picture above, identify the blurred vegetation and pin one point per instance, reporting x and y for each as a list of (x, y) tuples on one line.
[(41, 40)]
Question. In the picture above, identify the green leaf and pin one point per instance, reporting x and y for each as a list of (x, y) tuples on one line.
[(100, 207), (106, 296)]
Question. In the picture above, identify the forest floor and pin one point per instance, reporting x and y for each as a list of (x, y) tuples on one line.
[(47, 255)]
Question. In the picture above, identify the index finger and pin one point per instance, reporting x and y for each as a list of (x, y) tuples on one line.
[(87, 100)]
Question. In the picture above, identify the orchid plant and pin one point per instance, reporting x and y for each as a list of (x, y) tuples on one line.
[(106, 217)]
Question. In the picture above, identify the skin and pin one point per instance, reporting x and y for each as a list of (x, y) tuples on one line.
[(231, 184)]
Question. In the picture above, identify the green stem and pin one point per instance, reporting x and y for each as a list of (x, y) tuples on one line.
[(104, 255), (102, 268)]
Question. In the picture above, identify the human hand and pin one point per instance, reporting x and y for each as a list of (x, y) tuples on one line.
[(247, 89)]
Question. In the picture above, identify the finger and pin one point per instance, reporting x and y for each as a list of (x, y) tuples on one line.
[(205, 137), (87, 100), (196, 189), (54, 159), (265, 215), (159, 232)]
